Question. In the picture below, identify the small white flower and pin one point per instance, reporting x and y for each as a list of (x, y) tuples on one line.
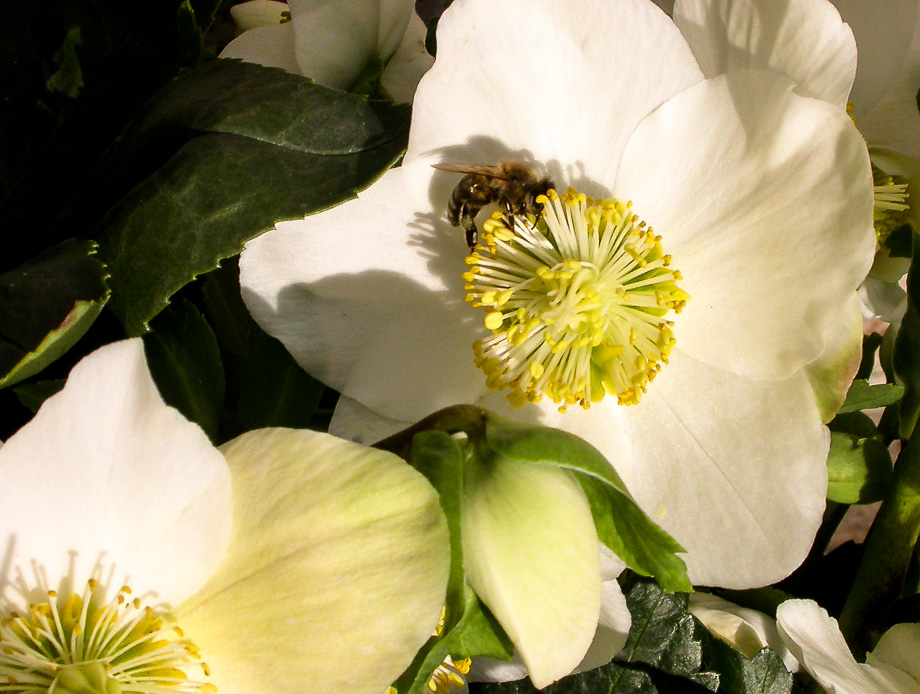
[(815, 639), (337, 43), (139, 558)]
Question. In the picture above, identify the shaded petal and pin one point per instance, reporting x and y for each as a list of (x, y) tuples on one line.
[(543, 89), (814, 638), (107, 472), (353, 421), (746, 630), (368, 298), (337, 39), (337, 571), (615, 620), (271, 46), (531, 554), (733, 468), (831, 373), (757, 192), (884, 30), (804, 39), (899, 648), (258, 13), (410, 61)]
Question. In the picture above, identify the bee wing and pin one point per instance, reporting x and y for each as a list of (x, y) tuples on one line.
[(491, 171)]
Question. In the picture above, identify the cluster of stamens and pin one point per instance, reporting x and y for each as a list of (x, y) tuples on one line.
[(891, 208), (114, 646), (576, 302)]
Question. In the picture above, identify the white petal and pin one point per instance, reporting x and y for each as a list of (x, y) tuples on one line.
[(368, 298), (563, 87), (258, 13), (353, 421), (337, 39), (803, 39), (530, 552), (271, 46), (814, 638), (615, 620), (336, 574), (733, 468), (883, 30), (747, 630), (410, 61), (899, 648), (831, 374), (763, 199), (107, 473)]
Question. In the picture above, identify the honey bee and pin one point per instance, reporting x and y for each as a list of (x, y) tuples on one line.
[(513, 185)]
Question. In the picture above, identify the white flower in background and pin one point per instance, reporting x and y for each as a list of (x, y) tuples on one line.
[(747, 631), (337, 43), (812, 42), (815, 639), (762, 214), (138, 558)]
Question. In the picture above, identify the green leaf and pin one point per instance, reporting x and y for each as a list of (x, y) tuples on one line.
[(765, 673), (275, 391), (857, 423), (859, 469), (32, 395), (185, 364), (255, 145), (862, 396), (621, 524), (870, 345), (468, 628), (46, 306), (906, 349)]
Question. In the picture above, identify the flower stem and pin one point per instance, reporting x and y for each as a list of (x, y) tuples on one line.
[(888, 549), (468, 419)]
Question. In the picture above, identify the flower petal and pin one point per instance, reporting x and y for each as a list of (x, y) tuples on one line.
[(804, 39), (733, 468), (107, 473), (899, 648), (337, 571), (615, 619), (544, 88), (814, 638), (757, 192), (258, 13), (530, 553), (271, 46), (831, 374), (352, 291), (410, 61)]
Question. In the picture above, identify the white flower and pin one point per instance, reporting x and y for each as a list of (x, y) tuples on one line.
[(815, 639), (809, 42), (138, 558), (763, 204), (337, 43)]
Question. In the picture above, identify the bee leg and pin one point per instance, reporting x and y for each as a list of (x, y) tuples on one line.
[(468, 222)]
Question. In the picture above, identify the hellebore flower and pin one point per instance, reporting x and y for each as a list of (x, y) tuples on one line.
[(815, 639), (809, 41), (139, 559), (346, 44), (761, 205)]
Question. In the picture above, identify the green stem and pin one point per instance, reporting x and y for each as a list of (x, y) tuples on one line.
[(468, 419), (888, 549)]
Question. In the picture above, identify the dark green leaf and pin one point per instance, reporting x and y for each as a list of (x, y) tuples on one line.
[(862, 396), (265, 146), (621, 524), (859, 469), (899, 242), (32, 395), (870, 345), (275, 391), (906, 349), (765, 673), (46, 306), (857, 423), (185, 363)]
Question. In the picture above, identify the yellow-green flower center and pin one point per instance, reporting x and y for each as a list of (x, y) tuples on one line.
[(576, 302), (84, 644), (891, 208)]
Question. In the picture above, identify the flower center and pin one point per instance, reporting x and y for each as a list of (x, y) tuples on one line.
[(576, 302), (82, 644), (891, 208)]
